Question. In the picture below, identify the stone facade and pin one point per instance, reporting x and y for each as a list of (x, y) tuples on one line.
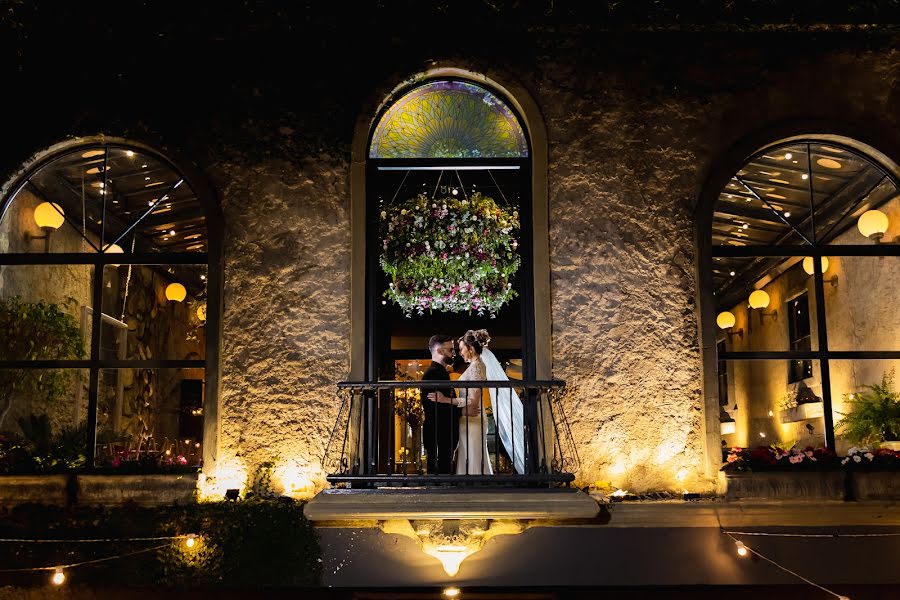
[(637, 120)]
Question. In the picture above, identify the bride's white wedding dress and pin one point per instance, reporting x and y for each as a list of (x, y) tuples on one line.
[(472, 456)]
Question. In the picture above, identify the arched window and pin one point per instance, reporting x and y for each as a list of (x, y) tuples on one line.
[(441, 153), (107, 295), (805, 272)]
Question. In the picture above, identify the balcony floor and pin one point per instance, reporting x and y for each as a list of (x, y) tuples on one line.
[(449, 503)]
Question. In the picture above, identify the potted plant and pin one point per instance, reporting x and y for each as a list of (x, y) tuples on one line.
[(875, 415)]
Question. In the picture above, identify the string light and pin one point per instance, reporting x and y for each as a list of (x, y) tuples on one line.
[(190, 540), (743, 550), (58, 577)]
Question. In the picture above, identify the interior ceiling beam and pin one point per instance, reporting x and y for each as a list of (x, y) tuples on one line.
[(783, 186), (776, 166), (862, 184), (747, 211), (780, 201)]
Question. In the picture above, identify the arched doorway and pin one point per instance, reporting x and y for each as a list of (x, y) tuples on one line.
[(795, 274), (109, 227)]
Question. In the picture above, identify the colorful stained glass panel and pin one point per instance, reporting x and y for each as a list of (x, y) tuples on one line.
[(448, 119)]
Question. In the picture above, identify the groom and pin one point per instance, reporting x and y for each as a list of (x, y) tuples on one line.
[(440, 432)]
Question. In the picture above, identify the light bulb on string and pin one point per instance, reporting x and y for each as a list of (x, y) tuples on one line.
[(741, 548), (190, 541), (58, 577)]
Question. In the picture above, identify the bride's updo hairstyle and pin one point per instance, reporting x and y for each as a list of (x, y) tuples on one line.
[(476, 340)]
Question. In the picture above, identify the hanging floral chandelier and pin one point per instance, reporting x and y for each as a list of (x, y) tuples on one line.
[(449, 254)]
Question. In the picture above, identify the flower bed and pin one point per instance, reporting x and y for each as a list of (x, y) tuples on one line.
[(773, 458), (772, 473)]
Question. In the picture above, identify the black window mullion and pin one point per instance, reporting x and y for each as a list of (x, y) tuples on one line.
[(94, 381), (824, 366)]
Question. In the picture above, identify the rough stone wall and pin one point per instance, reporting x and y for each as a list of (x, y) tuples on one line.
[(636, 119), (287, 299)]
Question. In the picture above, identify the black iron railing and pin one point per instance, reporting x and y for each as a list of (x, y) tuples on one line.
[(497, 432)]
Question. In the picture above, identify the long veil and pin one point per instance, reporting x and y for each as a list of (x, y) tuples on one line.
[(507, 412)]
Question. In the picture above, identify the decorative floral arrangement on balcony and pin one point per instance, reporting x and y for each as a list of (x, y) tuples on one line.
[(866, 459), (452, 254), (774, 458)]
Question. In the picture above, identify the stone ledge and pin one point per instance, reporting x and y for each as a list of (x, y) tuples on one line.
[(106, 489), (144, 490), (373, 505), (760, 513), (34, 489)]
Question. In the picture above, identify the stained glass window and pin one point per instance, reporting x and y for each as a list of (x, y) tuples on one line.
[(448, 119)]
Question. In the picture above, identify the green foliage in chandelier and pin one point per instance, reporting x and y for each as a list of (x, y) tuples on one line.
[(450, 254)]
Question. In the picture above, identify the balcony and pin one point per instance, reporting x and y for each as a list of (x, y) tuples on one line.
[(377, 441), (377, 455)]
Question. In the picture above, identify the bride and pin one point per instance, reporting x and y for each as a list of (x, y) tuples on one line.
[(472, 456)]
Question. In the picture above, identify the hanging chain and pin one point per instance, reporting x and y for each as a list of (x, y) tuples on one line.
[(497, 186), (128, 278), (458, 178), (437, 184), (399, 187)]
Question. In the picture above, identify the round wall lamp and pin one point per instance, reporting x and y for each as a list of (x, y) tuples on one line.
[(113, 249), (49, 216), (873, 224), (176, 292), (809, 268), (758, 299), (726, 320)]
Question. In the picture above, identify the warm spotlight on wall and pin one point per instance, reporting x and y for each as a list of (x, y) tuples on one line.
[(49, 216), (873, 224), (176, 292)]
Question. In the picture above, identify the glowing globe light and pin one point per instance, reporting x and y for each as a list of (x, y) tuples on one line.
[(201, 311), (741, 548), (725, 320), (49, 214), (809, 265), (176, 292), (758, 299), (58, 577), (873, 224)]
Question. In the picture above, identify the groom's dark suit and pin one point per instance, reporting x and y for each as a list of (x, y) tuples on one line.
[(440, 433)]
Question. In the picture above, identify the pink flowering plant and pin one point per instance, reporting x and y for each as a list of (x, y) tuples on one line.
[(775, 458), (453, 254)]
